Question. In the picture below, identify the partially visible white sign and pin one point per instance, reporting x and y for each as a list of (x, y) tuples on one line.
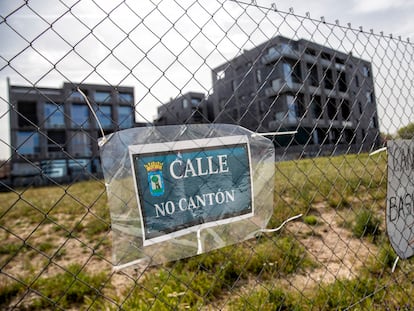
[(400, 197)]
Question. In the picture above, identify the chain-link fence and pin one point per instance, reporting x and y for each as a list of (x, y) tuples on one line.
[(338, 93)]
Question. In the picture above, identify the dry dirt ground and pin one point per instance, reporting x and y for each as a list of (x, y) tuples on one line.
[(339, 254)]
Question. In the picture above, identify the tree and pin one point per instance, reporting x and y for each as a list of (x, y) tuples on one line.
[(406, 132)]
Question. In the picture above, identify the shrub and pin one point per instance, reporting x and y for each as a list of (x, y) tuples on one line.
[(366, 224), (311, 220)]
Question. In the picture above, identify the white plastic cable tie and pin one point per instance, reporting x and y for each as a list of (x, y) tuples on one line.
[(103, 140), (282, 225), (378, 151), (395, 264), (199, 243)]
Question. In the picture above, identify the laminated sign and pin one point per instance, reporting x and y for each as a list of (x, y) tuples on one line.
[(179, 191), (400, 197), (190, 185)]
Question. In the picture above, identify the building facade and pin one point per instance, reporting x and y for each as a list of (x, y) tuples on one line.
[(326, 96), (54, 133), (191, 107)]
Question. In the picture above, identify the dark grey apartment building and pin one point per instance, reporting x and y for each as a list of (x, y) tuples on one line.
[(54, 134), (285, 85), (191, 107)]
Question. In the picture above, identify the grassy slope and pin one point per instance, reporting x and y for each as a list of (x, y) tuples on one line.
[(55, 240)]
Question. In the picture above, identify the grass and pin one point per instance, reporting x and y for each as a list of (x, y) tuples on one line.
[(54, 240)]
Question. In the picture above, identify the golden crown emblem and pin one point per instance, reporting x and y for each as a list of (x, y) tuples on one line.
[(153, 166)]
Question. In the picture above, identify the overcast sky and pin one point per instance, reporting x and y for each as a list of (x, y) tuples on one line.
[(132, 43)]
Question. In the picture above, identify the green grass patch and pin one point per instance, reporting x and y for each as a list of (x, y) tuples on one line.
[(311, 220), (68, 288), (366, 223)]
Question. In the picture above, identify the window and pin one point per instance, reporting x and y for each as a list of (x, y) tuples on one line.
[(313, 74), (296, 108), (56, 141), (342, 84), (27, 113), (77, 96), (366, 72), (291, 72), (126, 98), (346, 110), (102, 97), (310, 51), (125, 115), (54, 117), (316, 107), (80, 115), (349, 136), (370, 97), (326, 56), (185, 103), (258, 76), (27, 142), (195, 101), (328, 81), (373, 123), (104, 114), (331, 105), (81, 144)]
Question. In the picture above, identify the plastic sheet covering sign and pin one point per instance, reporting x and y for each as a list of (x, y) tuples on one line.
[(400, 197), (178, 191)]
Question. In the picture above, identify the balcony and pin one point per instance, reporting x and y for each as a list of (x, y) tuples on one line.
[(281, 86), (277, 52)]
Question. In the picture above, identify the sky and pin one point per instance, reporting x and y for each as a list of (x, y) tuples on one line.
[(166, 48)]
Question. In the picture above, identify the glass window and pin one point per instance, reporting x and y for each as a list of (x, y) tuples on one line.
[(104, 114), (80, 115), (76, 95), (102, 97), (366, 71), (329, 82), (313, 74), (316, 107), (292, 116), (28, 142), (185, 103), (125, 117), (291, 73), (343, 85), (346, 110), (81, 144), (195, 101), (27, 113), (370, 97), (54, 117), (56, 141), (296, 108), (126, 97), (332, 109)]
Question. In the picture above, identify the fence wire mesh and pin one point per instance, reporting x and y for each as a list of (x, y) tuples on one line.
[(342, 92)]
